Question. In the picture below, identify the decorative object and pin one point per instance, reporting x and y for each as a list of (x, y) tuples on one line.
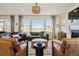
[(61, 35), (57, 25), (36, 9), (16, 23), (39, 43)]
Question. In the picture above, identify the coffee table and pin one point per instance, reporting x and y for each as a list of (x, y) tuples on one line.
[(39, 48), (36, 40)]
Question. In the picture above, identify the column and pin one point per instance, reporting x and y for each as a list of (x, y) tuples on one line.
[(57, 26), (16, 23), (12, 23), (53, 27)]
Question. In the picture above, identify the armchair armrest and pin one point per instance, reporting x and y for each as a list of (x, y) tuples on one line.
[(57, 52), (62, 45), (22, 52), (61, 51)]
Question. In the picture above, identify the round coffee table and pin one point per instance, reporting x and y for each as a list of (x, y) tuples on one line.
[(39, 39), (39, 48), (35, 44), (36, 40)]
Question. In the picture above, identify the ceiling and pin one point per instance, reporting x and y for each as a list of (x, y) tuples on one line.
[(26, 8)]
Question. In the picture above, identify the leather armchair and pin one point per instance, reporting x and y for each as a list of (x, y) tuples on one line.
[(9, 47), (69, 47), (56, 51), (73, 49), (58, 48)]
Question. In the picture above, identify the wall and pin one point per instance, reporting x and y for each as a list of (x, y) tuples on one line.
[(66, 25)]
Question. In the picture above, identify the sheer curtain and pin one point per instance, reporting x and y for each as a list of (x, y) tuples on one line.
[(5, 23)]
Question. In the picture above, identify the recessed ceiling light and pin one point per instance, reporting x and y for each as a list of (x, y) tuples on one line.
[(75, 10)]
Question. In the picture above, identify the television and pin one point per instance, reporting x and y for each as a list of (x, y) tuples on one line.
[(74, 33), (74, 14)]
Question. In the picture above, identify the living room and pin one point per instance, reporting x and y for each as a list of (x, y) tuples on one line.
[(48, 25)]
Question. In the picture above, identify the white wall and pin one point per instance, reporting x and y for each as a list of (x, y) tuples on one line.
[(66, 26)]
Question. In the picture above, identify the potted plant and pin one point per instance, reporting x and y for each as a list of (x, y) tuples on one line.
[(61, 35)]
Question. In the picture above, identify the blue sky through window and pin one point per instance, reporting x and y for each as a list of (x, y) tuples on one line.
[(38, 23), (26, 22)]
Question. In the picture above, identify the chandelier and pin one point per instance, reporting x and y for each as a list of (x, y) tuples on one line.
[(36, 9)]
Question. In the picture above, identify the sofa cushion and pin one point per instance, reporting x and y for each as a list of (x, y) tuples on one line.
[(37, 33), (34, 33)]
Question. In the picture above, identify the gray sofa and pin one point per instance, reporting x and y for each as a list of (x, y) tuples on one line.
[(34, 35)]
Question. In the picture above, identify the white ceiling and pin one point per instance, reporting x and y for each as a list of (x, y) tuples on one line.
[(26, 8)]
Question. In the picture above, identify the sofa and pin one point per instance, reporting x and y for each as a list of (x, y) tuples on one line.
[(34, 35)]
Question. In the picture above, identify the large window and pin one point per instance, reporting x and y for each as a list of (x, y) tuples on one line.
[(48, 25), (25, 25), (37, 25), (1, 25), (5, 25)]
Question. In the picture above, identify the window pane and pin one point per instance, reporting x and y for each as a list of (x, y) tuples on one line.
[(7, 25), (48, 25), (25, 25), (37, 25), (1, 25)]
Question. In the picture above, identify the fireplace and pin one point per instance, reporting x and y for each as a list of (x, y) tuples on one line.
[(74, 33)]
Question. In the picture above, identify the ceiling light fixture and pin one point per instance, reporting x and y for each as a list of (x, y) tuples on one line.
[(36, 9)]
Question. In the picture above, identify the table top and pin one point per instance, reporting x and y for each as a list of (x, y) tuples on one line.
[(39, 39), (42, 44)]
